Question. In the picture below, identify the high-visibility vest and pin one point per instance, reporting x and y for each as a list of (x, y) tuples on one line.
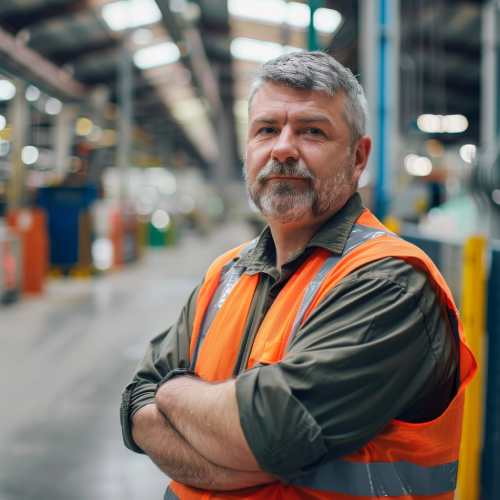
[(405, 461)]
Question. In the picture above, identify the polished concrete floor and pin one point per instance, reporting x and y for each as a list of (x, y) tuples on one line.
[(64, 360)]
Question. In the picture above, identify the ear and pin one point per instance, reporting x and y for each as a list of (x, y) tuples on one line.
[(362, 150)]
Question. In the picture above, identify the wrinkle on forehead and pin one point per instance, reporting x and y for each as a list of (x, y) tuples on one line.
[(272, 97)]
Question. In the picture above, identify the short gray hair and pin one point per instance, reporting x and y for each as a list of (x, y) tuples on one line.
[(316, 71)]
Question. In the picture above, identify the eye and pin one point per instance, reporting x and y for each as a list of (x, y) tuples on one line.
[(267, 130), (315, 131)]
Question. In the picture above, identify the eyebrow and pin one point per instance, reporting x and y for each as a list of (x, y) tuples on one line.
[(265, 120), (320, 118), (309, 119)]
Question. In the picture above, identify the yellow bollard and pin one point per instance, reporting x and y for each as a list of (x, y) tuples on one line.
[(473, 320), (393, 223)]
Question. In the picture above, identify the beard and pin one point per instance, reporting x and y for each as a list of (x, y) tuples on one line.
[(285, 201)]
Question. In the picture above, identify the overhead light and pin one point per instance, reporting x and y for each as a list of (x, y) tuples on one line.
[(495, 196), (83, 126), (95, 134), (53, 106), (32, 93), (298, 15), (130, 14), (468, 153), (250, 49), (279, 12), (186, 204), (168, 185), (188, 110), (157, 55), (160, 219), (29, 155), (3, 122), (419, 166), (102, 253), (142, 36), (7, 90), (326, 20), (451, 124)]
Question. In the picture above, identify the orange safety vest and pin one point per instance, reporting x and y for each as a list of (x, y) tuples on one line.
[(405, 461)]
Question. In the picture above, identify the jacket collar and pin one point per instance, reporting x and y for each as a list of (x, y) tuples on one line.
[(332, 236)]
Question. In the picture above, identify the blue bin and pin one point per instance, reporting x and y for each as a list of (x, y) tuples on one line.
[(64, 204)]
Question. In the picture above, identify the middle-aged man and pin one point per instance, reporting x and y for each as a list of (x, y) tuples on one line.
[(325, 360)]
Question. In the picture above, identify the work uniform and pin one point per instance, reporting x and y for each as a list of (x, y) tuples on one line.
[(378, 346)]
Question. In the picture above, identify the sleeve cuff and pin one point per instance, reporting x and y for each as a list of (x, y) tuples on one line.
[(133, 399), (282, 434)]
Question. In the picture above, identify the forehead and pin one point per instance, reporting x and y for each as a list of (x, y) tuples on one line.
[(276, 99)]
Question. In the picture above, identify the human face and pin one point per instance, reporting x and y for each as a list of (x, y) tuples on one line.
[(299, 164)]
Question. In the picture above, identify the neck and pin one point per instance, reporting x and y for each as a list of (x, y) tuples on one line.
[(291, 236)]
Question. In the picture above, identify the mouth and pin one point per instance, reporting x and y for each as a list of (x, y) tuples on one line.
[(286, 179)]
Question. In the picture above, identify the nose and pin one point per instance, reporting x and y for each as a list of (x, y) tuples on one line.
[(285, 148)]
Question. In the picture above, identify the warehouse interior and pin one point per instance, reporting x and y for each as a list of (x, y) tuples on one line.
[(122, 131)]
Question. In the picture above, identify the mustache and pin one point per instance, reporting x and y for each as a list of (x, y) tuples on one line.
[(276, 168)]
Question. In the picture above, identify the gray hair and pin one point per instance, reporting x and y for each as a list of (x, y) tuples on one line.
[(316, 71)]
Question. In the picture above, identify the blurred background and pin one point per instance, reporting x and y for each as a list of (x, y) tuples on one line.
[(122, 128)]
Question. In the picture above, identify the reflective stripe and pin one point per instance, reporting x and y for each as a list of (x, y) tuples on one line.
[(229, 276), (170, 495), (379, 479), (358, 235)]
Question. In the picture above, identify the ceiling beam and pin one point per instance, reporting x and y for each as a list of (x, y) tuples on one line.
[(29, 17), (37, 69)]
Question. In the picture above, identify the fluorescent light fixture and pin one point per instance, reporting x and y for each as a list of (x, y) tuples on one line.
[(259, 51), (294, 14), (419, 166), (451, 124), (468, 153), (326, 20), (53, 106), (157, 55), (298, 15), (29, 155), (32, 93), (130, 14), (7, 90)]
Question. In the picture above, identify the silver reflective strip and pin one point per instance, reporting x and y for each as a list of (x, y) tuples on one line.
[(381, 479), (229, 276), (359, 235), (170, 495)]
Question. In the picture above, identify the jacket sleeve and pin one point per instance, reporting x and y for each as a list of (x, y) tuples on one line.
[(165, 352), (377, 345)]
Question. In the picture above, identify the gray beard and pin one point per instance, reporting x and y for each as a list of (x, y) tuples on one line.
[(284, 202)]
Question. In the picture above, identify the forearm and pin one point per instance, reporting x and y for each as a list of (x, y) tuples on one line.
[(180, 461), (207, 416)]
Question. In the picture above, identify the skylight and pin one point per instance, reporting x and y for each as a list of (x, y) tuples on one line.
[(278, 12), (157, 55), (130, 14)]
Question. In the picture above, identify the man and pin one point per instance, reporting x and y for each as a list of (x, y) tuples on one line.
[(327, 358)]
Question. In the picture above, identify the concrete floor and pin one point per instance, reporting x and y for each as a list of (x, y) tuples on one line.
[(64, 360)]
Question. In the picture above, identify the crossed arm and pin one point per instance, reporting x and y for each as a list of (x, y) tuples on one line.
[(193, 434)]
